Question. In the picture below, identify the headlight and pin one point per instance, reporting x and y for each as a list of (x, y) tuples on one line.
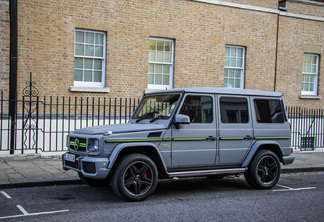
[(93, 146)]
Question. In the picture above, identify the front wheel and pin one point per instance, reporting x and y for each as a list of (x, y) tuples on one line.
[(135, 178), (264, 170)]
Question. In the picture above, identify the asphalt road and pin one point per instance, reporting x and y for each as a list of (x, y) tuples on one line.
[(297, 197)]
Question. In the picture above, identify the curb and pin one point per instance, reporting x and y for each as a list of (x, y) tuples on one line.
[(40, 183)]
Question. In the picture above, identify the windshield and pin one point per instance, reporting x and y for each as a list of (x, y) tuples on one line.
[(157, 106)]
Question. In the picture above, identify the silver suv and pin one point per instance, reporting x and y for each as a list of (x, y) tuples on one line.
[(183, 133)]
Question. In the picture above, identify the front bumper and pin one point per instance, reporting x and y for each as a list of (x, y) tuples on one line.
[(90, 167)]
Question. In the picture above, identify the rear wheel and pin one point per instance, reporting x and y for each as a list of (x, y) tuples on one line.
[(264, 170), (135, 178)]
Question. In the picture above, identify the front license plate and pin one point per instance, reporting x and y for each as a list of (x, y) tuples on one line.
[(70, 157)]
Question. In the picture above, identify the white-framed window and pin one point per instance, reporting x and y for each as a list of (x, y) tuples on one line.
[(160, 70), (89, 58), (234, 67), (310, 74)]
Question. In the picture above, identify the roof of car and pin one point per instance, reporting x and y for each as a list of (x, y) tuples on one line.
[(228, 91)]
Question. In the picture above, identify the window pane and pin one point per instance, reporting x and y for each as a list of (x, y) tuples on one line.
[(231, 73), (168, 46), (77, 75), (308, 59), (152, 44), (239, 62), (99, 51), (89, 50), (160, 45), (88, 63), (87, 76), (97, 76), (158, 79), (167, 57), (233, 52), (198, 108), (230, 83), (97, 64), (238, 74), (166, 79), (150, 79), (234, 110), (240, 52), (79, 37), (237, 83), (79, 49), (233, 63), (227, 51), (152, 56), (151, 68), (159, 56), (78, 63), (269, 111), (89, 38), (166, 69), (99, 38), (158, 68)]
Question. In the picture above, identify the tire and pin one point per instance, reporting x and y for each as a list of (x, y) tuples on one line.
[(93, 182), (264, 170), (135, 177)]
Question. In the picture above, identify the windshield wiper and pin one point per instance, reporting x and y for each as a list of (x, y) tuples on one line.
[(161, 116), (142, 117)]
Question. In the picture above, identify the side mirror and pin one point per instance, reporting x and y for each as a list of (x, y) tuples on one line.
[(181, 119)]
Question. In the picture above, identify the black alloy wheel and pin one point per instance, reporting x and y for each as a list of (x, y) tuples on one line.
[(135, 177), (264, 170)]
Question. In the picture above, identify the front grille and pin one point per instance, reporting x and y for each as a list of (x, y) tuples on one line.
[(78, 144)]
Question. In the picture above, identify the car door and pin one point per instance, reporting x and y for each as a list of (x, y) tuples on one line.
[(194, 144), (235, 129)]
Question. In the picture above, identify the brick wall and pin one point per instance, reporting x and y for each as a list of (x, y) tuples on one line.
[(296, 38), (200, 30), (4, 46)]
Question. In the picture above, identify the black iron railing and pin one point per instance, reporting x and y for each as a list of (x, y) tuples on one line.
[(42, 123), (307, 127)]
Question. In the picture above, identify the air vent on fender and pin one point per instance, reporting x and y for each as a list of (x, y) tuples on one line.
[(155, 134)]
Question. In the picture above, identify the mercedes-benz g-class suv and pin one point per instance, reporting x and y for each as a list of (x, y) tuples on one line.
[(184, 133)]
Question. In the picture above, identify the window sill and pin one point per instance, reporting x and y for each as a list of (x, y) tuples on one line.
[(309, 97), (153, 90), (89, 89)]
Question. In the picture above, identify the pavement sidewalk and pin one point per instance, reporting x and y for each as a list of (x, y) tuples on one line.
[(24, 171)]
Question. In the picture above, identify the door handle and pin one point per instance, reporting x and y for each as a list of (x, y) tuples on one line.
[(248, 137), (211, 138)]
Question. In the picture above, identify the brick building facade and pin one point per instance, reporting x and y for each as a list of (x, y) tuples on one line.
[(121, 48)]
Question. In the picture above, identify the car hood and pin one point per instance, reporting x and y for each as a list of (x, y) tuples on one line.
[(120, 128)]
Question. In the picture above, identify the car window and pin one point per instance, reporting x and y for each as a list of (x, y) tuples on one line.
[(268, 111), (234, 110), (198, 108)]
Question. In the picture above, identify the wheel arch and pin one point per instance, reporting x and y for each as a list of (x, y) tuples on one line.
[(263, 145), (147, 149)]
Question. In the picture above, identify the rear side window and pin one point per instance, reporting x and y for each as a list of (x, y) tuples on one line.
[(234, 110), (268, 111), (198, 108)]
